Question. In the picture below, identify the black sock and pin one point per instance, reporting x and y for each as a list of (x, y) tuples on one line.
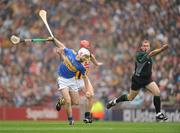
[(70, 118), (157, 103), (122, 98), (87, 114)]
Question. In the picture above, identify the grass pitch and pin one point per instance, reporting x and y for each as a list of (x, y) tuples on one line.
[(80, 127)]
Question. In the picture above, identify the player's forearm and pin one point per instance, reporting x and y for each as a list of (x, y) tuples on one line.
[(157, 51), (59, 44), (164, 47), (93, 59), (59, 51), (85, 79)]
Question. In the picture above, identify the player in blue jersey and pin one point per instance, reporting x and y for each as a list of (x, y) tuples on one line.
[(67, 84), (142, 78), (80, 83)]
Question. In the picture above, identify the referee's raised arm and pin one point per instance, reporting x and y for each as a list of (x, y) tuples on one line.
[(159, 50)]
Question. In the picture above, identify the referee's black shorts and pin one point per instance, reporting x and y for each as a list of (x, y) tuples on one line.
[(140, 82)]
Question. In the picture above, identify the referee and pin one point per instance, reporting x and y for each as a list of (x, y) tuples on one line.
[(142, 78)]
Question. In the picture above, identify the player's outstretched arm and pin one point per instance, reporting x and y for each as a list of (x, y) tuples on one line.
[(159, 50), (94, 61), (60, 52), (59, 44)]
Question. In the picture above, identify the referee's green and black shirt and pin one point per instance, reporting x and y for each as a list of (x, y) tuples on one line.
[(143, 65)]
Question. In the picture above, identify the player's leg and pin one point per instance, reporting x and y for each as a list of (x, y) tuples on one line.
[(61, 83), (74, 97), (64, 87), (154, 89), (135, 87), (89, 95), (126, 97), (66, 95)]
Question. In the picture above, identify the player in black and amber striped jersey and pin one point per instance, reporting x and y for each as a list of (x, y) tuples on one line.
[(89, 93)]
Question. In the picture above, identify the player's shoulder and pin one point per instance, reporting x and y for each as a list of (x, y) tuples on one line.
[(69, 50), (140, 53), (74, 52)]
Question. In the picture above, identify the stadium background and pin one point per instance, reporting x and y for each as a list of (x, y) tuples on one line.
[(115, 28)]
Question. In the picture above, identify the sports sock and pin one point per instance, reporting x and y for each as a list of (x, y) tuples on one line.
[(157, 103), (122, 98), (70, 118), (87, 114)]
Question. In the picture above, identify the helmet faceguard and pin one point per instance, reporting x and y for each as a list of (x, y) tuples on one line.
[(83, 54)]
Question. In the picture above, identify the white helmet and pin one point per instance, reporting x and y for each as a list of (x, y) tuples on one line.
[(83, 51)]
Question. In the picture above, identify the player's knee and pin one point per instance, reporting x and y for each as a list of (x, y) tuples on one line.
[(68, 101), (76, 102), (130, 98), (89, 95), (157, 93)]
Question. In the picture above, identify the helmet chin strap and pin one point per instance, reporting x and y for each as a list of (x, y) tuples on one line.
[(79, 59)]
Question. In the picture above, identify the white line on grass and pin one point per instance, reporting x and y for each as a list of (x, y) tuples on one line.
[(54, 129), (66, 128)]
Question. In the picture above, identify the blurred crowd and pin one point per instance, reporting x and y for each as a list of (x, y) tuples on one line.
[(115, 28)]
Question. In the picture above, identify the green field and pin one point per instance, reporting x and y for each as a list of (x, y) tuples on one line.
[(80, 127)]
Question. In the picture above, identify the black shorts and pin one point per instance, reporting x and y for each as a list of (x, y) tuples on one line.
[(140, 82)]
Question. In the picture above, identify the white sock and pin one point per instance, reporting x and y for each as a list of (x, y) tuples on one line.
[(158, 114), (114, 101)]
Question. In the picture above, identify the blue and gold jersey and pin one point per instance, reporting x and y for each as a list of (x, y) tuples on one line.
[(70, 65), (78, 73)]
